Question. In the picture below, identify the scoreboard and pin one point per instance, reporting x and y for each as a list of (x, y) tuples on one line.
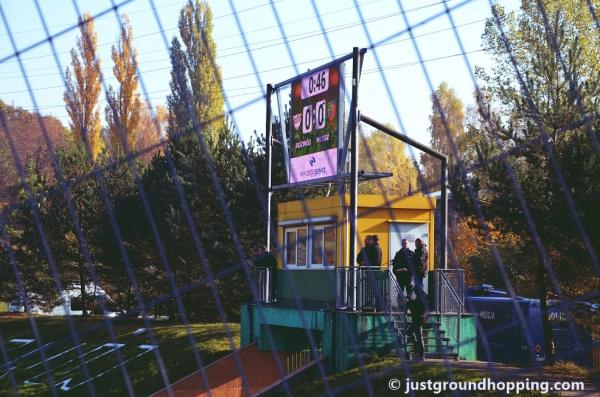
[(315, 124)]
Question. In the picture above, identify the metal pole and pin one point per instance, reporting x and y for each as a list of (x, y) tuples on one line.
[(268, 153), (444, 212), (354, 162)]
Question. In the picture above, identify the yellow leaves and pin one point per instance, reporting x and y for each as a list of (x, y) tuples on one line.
[(149, 131), (83, 88), (71, 238), (468, 238), (122, 113), (383, 153)]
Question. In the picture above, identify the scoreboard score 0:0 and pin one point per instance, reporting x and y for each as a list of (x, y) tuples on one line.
[(314, 125)]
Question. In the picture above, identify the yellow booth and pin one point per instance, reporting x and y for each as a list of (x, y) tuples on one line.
[(313, 240)]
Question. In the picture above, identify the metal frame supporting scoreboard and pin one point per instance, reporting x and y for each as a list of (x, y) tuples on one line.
[(316, 142)]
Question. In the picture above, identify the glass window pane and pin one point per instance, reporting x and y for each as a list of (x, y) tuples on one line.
[(330, 245), (317, 246), (290, 247), (301, 243)]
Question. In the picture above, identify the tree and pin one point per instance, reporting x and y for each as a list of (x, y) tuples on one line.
[(28, 137), (447, 119), (191, 165), (541, 122), (383, 153), (199, 61), (179, 119), (540, 105), (24, 241), (81, 95), (149, 131), (122, 111)]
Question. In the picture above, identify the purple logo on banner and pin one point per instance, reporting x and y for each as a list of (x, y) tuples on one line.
[(312, 166)]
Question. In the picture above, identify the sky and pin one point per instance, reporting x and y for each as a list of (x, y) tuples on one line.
[(258, 42)]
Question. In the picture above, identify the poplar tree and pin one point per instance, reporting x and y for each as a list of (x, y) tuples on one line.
[(179, 119), (447, 125), (203, 73), (122, 111), (83, 88), (383, 153)]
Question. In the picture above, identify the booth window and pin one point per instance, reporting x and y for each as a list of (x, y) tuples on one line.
[(295, 246), (315, 243), (323, 245)]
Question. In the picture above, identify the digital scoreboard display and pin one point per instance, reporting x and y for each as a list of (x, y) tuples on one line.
[(314, 125)]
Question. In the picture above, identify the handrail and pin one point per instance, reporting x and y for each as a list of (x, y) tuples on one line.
[(444, 282), (396, 284), (402, 322), (262, 277), (452, 290)]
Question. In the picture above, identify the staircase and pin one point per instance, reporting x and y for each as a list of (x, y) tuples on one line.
[(397, 310), (437, 344)]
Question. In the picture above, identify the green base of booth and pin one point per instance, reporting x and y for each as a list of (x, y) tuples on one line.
[(342, 337)]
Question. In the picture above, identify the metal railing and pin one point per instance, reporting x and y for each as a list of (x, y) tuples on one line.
[(398, 309), (300, 359), (449, 302), (373, 288), (362, 288), (262, 277)]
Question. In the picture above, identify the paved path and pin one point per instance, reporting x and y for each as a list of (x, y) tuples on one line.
[(224, 378), (498, 371)]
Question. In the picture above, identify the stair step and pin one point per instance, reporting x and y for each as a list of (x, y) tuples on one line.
[(451, 356), (439, 349), (433, 348), (441, 339), (434, 330)]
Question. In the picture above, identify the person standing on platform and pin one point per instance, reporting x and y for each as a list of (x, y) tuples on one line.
[(402, 266), (265, 259), (418, 315), (375, 259), (375, 243), (421, 263), (362, 258)]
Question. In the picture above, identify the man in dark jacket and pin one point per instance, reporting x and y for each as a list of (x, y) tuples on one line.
[(418, 314), (368, 257), (363, 258), (377, 249), (265, 259), (421, 264), (402, 266)]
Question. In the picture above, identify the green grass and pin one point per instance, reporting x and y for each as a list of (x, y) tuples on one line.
[(379, 371), (172, 339)]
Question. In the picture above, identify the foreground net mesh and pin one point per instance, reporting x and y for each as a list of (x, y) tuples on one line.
[(169, 225)]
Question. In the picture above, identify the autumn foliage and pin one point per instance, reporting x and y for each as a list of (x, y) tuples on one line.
[(83, 88), (26, 131), (122, 111)]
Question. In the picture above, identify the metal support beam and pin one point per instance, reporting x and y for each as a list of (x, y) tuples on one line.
[(269, 156), (443, 178), (444, 212), (354, 116)]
